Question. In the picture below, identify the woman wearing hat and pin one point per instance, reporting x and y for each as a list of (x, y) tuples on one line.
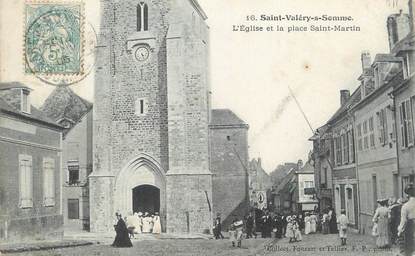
[(381, 218), (407, 226), (122, 238)]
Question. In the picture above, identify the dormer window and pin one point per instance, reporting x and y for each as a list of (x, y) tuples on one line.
[(377, 77), (25, 102), (408, 60), (142, 17)]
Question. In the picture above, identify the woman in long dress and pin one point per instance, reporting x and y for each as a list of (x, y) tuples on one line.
[(325, 223), (407, 225), (313, 223), (157, 224), (121, 238), (381, 218), (147, 220), (139, 228), (307, 228)]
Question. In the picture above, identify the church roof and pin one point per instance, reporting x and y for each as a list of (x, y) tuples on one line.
[(225, 117), (63, 103)]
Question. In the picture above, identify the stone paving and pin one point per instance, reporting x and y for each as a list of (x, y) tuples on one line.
[(316, 244)]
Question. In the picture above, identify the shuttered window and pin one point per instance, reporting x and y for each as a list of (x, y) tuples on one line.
[(25, 181), (48, 182), (406, 124)]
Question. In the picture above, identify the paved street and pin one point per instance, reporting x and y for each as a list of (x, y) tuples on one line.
[(311, 245)]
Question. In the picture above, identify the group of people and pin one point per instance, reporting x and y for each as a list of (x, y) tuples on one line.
[(136, 223), (289, 226), (139, 223), (394, 222)]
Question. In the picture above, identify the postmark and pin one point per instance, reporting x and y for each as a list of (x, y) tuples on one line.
[(53, 43)]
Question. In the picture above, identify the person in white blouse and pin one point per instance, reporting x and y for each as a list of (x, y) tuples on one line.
[(407, 225)]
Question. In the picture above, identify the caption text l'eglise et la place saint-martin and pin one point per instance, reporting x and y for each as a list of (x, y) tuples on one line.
[(321, 23)]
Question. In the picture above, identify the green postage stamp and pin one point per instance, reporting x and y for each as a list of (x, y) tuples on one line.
[(53, 38)]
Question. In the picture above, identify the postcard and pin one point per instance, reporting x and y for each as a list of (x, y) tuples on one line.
[(207, 127)]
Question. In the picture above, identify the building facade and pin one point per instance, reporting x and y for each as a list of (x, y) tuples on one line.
[(229, 165), (323, 166), (404, 106), (260, 185), (376, 123), (307, 200), (151, 115), (75, 114), (30, 163)]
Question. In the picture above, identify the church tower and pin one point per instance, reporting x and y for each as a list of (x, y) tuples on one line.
[(151, 115)]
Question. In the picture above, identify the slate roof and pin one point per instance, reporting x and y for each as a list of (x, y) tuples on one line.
[(63, 103), (382, 57), (35, 115), (225, 117), (13, 85), (406, 44)]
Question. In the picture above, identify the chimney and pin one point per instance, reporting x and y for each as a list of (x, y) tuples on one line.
[(366, 60), (344, 96), (399, 26), (259, 161), (299, 164)]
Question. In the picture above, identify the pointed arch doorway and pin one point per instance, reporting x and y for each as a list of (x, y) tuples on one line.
[(146, 198), (140, 187)]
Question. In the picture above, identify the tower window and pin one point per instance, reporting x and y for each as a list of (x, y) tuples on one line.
[(140, 107), (142, 17)]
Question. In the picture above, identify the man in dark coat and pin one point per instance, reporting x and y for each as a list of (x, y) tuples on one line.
[(332, 221), (278, 225), (395, 219), (266, 226), (122, 238), (218, 227), (249, 222)]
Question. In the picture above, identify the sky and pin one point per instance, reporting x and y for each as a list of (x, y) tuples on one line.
[(251, 72)]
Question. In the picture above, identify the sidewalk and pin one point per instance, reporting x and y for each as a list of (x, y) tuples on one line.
[(108, 237), (84, 238), (40, 245)]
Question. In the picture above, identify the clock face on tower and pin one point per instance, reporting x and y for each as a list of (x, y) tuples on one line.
[(142, 53)]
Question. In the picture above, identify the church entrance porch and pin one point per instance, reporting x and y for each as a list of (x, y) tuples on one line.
[(141, 187), (146, 198)]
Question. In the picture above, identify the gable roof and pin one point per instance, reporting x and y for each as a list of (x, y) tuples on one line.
[(35, 114), (63, 103), (13, 85), (225, 117)]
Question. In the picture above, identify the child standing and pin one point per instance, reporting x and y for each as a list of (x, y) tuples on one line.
[(289, 233), (342, 222), (296, 229), (236, 232)]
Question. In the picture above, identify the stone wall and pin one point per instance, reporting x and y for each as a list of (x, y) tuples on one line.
[(229, 160), (37, 221), (173, 130)]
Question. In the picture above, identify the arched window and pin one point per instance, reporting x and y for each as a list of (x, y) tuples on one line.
[(142, 17)]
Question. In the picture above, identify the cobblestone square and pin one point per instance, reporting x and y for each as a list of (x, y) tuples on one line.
[(311, 245)]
